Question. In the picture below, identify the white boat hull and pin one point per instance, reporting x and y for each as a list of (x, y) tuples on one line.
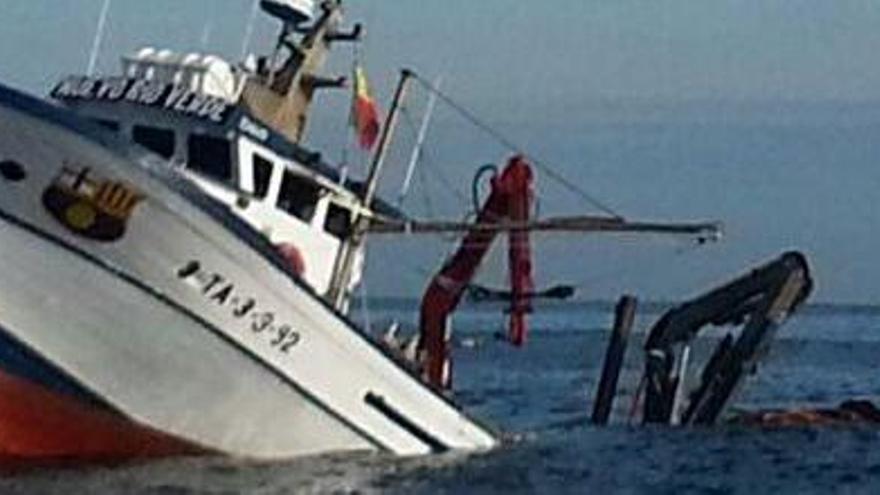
[(184, 322)]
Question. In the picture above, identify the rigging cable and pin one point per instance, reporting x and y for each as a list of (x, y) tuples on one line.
[(420, 143), (422, 178), (426, 157), (509, 144), (665, 259), (429, 202)]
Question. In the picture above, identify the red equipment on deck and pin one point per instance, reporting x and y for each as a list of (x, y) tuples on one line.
[(509, 201)]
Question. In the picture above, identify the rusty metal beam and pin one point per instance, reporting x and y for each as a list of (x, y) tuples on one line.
[(586, 224)]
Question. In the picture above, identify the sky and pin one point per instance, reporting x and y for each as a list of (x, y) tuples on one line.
[(762, 115)]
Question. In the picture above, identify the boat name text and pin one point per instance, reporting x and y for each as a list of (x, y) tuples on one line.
[(169, 96)]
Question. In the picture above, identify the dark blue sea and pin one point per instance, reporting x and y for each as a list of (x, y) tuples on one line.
[(540, 398)]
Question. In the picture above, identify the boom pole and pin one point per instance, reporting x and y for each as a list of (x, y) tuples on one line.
[(585, 224)]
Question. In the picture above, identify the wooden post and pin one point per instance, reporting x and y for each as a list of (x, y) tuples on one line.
[(624, 316)]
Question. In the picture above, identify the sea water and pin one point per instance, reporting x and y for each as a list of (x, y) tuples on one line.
[(540, 397)]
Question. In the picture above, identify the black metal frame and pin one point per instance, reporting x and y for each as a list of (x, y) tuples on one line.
[(759, 302)]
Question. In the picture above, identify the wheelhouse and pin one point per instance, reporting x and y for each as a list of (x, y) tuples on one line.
[(174, 107)]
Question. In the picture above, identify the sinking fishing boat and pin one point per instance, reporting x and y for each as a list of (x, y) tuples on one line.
[(191, 298), (178, 267)]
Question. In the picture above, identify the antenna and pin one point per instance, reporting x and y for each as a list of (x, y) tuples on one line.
[(99, 35), (249, 30), (206, 35)]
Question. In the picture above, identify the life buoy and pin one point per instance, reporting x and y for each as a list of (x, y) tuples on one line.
[(294, 258)]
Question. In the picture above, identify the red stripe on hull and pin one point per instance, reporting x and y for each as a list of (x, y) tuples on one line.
[(38, 424)]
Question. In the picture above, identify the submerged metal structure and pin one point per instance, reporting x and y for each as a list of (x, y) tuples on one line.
[(758, 303)]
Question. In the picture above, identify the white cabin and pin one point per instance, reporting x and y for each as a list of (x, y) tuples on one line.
[(185, 108)]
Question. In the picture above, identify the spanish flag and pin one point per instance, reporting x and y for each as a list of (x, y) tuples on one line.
[(365, 114)]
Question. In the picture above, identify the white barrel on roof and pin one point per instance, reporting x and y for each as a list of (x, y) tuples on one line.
[(290, 11), (199, 73)]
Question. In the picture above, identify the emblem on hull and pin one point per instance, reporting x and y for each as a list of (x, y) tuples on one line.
[(91, 206)]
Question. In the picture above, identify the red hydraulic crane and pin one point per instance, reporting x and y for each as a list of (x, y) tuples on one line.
[(509, 201)]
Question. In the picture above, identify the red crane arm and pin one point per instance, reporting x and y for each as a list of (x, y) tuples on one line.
[(510, 199), (519, 204)]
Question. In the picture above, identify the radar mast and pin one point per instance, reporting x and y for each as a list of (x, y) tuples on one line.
[(281, 92)]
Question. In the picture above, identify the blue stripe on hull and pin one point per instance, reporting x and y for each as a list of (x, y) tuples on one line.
[(18, 360)]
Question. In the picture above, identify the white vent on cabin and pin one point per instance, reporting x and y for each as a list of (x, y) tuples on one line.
[(202, 74)]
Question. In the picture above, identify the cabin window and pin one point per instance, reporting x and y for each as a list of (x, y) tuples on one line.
[(108, 124), (338, 223), (211, 157), (159, 141), (298, 196), (262, 175)]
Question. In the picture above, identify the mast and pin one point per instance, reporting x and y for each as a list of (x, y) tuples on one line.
[(281, 92), (385, 138), (338, 293)]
